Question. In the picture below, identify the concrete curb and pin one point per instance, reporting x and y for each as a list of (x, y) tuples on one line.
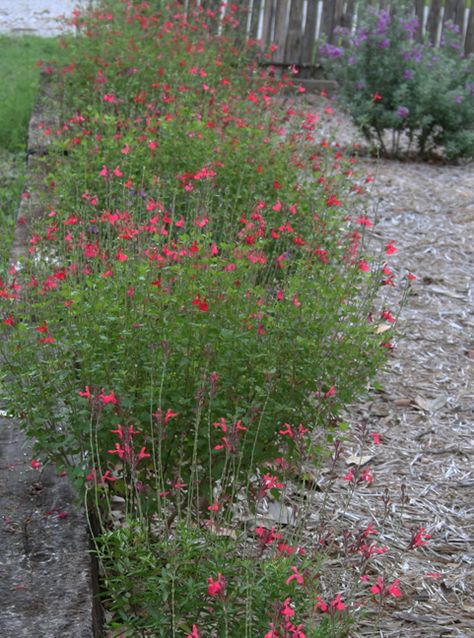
[(45, 566)]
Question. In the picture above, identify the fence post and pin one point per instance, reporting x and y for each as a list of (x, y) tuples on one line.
[(309, 33), (242, 16), (332, 14), (255, 18), (419, 9), (267, 24), (469, 43), (294, 41), (280, 29), (454, 11), (433, 20), (348, 15)]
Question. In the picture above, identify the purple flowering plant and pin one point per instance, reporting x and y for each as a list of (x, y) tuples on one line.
[(390, 82)]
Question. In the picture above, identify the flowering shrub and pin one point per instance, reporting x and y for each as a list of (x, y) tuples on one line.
[(197, 586), (389, 81), (197, 306)]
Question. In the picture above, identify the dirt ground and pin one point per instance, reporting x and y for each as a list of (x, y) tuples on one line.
[(424, 411)]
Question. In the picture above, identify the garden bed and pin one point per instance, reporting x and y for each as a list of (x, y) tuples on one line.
[(205, 297)]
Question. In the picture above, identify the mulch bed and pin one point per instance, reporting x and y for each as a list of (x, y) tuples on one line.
[(425, 409)]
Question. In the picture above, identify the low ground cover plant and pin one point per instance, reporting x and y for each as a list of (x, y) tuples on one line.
[(199, 303), (390, 82)]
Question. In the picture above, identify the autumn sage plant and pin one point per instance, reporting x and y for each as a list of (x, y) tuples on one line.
[(200, 300)]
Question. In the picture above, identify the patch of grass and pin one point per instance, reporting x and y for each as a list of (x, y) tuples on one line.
[(19, 78)]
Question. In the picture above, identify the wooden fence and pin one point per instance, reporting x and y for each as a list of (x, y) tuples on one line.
[(296, 26)]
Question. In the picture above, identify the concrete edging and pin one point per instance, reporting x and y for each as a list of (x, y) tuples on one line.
[(46, 575)]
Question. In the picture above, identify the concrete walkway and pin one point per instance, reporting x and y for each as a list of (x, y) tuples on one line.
[(38, 17), (45, 580)]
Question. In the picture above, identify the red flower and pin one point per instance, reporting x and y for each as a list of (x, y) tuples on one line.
[(107, 398), (224, 445), (287, 611), (337, 604), (367, 476), (86, 393), (377, 97), (216, 587), (287, 431), (333, 201), (170, 415), (142, 455), (364, 221), (267, 536), (43, 328), (201, 304), (321, 605), (108, 477), (221, 424), (349, 476), (394, 590), (295, 576), (419, 538), (379, 588), (387, 315), (121, 256), (35, 464), (194, 633), (268, 483)]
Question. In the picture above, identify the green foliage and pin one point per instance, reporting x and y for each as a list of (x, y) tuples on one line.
[(159, 587), (389, 82), (197, 307), (280, 323)]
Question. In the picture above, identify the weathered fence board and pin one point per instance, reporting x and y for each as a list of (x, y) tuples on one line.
[(294, 38), (281, 29), (267, 21), (469, 44), (254, 19), (309, 34), (332, 14), (454, 10)]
